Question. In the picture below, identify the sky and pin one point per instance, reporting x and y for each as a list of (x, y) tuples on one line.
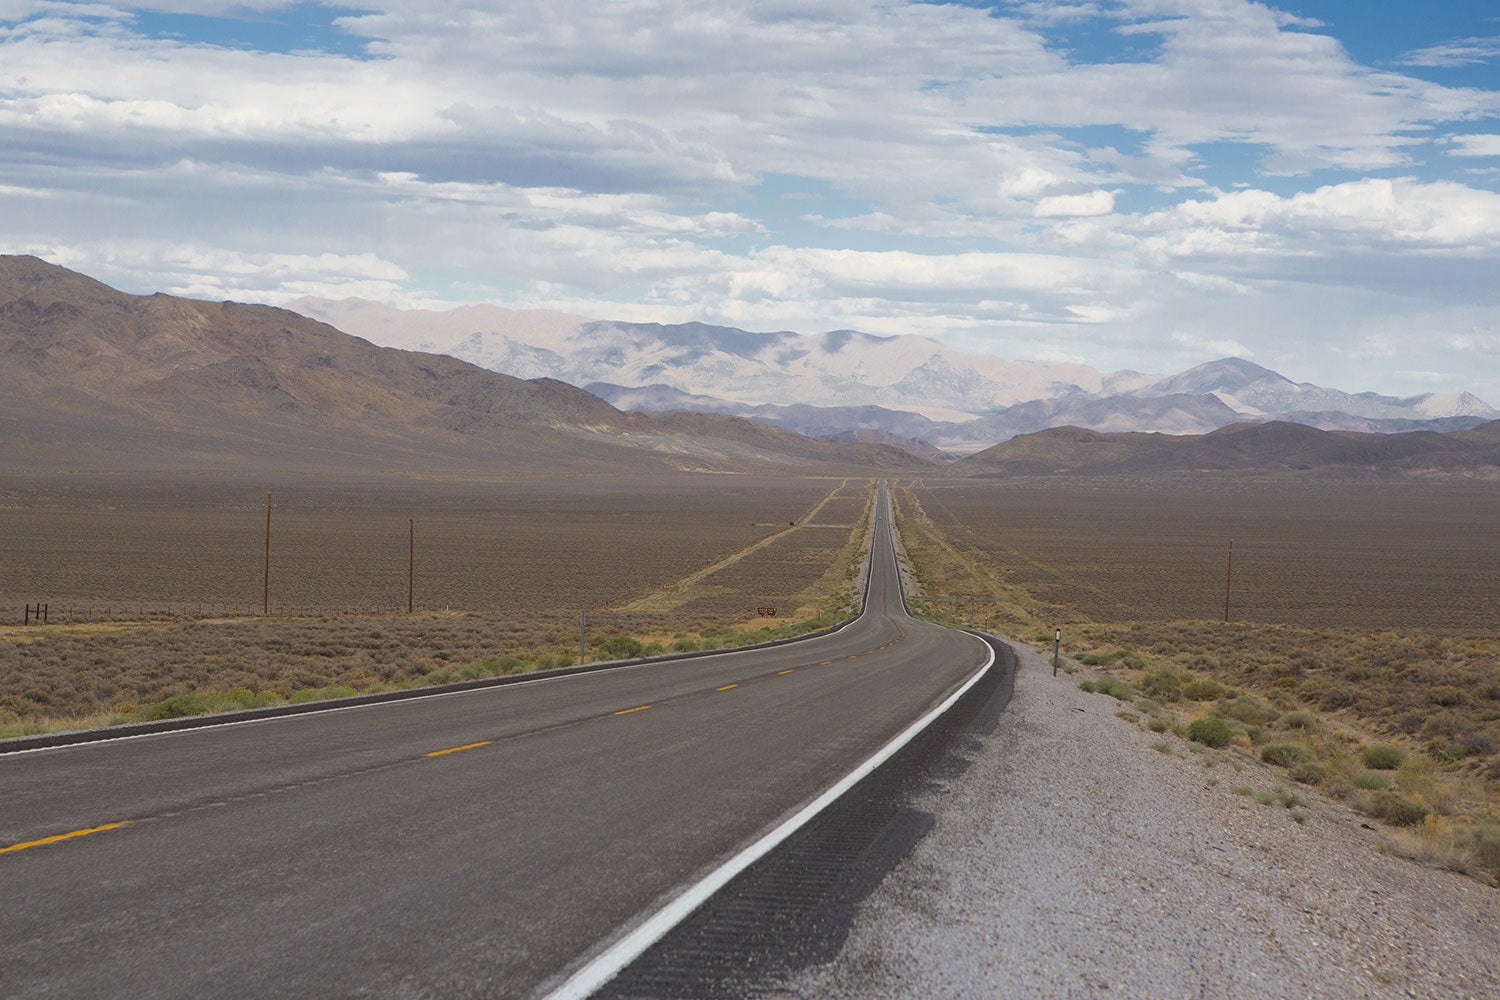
[(1313, 185)]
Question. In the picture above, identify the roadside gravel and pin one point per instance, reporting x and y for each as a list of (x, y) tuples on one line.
[(1073, 860)]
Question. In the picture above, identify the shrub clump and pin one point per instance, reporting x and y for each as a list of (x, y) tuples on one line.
[(1300, 719), (1211, 731), (621, 647), (1163, 684), (1486, 845), (1111, 686), (1249, 710), (1395, 809), (1306, 774), (1383, 756), (176, 707), (1285, 754), (1202, 690)]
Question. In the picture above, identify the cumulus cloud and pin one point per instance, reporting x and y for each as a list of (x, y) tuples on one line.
[(1367, 215), (1064, 205), (1475, 145), (954, 167)]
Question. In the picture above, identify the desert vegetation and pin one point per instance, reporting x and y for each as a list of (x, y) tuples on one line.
[(502, 572), (1361, 661)]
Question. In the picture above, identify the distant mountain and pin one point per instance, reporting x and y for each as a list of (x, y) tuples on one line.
[(1267, 448), (841, 368), (1171, 414), (1251, 390), (908, 386), (93, 377)]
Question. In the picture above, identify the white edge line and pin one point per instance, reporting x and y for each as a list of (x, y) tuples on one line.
[(608, 963)]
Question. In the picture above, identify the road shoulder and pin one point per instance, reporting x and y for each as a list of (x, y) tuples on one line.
[(1071, 859)]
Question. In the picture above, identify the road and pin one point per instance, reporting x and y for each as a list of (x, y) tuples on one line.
[(474, 844)]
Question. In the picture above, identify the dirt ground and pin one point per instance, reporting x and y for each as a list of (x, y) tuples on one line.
[(154, 587)]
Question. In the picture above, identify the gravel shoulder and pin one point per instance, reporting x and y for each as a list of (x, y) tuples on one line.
[(1073, 860)]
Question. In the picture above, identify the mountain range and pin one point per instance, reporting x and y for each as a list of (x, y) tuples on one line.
[(91, 377), (903, 387)]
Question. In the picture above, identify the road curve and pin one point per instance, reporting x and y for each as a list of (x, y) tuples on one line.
[(475, 844)]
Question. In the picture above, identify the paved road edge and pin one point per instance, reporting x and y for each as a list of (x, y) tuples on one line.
[(603, 967)]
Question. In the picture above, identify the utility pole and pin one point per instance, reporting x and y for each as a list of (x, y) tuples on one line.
[(1228, 574), (411, 564), (265, 592)]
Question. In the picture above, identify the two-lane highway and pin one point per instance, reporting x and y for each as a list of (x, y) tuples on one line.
[(469, 844)]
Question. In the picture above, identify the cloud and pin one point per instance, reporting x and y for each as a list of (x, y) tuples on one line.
[(1475, 145), (1065, 205), (1462, 52), (1368, 216), (879, 163)]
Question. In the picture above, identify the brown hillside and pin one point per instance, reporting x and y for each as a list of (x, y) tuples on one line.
[(1267, 448), (93, 377)]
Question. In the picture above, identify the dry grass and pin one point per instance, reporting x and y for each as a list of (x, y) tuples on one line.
[(516, 561), (1362, 616)]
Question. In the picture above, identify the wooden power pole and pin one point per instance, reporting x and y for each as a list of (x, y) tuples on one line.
[(1228, 574), (265, 588)]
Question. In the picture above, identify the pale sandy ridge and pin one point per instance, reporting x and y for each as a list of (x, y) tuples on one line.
[(1072, 860)]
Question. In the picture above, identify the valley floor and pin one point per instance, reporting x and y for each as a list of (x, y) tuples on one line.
[(1074, 858)]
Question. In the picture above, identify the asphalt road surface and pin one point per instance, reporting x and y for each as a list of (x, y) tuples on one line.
[(476, 844)]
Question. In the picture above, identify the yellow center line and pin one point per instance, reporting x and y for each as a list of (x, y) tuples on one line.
[(627, 711), (853, 656), (466, 746), (825, 663), (727, 687), (782, 673), (64, 836)]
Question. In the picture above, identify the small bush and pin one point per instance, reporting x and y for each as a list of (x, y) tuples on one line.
[(684, 644), (507, 665), (1163, 685), (1306, 774), (1289, 799), (1300, 719), (1211, 731), (1383, 756), (621, 647), (1202, 690), (1371, 780), (1486, 845), (1285, 754), (176, 707), (1394, 809), (1158, 724), (1248, 710), (1108, 685)]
